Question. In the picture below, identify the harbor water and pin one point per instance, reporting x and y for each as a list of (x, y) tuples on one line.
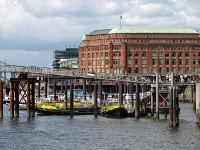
[(89, 133)]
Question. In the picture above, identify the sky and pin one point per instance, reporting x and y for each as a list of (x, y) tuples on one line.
[(30, 30)]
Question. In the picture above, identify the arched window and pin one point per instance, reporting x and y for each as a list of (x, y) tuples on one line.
[(97, 55), (83, 55), (102, 55), (129, 54), (167, 54), (160, 54), (117, 54), (89, 56), (153, 54), (180, 54), (93, 56), (106, 54)]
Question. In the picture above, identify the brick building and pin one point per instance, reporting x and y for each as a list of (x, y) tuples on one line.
[(141, 50)]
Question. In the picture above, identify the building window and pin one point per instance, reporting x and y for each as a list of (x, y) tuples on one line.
[(117, 54), (194, 70), (93, 56), (167, 54), (180, 70), (153, 61), (107, 62), (160, 70), (89, 62), (153, 54), (160, 61), (106, 54), (143, 70), (89, 56), (173, 61), (136, 70), (117, 70), (107, 70), (116, 62), (83, 55), (186, 70), (129, 70), (199, 61), (136, 54), (180, 61), (194, 62), (153, 70), (194, 53), (166, 61), (160, 54), (187, 54), (98, 63), (97, 55), (143, 54), (187, 61), (166, 69), (102, 62), (83, 62), (143, 61), (136, 62), (94, 63), (173, 54), (180, 54), (102, 55), (174, 70), (129, 62), (129, 54)]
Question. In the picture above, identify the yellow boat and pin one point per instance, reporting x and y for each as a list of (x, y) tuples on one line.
[(114, 111)]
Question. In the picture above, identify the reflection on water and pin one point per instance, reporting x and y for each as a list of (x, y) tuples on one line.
[(88, 132)]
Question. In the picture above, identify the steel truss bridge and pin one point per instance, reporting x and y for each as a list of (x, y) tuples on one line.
[(72, 73)]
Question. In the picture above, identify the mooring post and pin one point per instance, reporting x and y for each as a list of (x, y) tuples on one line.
[(38, 88), (84, 88), (130, 91), (137, 101), (157, 95), (197, 102), (95, 99), (152, 99), (66, 95), (16, 86), (45, 89), (100, 90), (170, 105), (120, 93), (71, 99), (177, 107), (33, 98), (54, 91), (28, 100), (174, 106), (11, 99), (1, 100)]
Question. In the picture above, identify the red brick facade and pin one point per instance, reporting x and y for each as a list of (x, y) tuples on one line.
[(142, 53)]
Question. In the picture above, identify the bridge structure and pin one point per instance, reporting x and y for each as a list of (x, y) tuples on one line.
[(167, 90)]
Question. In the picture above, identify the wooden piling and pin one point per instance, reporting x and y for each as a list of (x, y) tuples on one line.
[(157, 95), (170, 105), (197, 103), (16, 90), (71, 99), (66, 95), (28, 100), (152, 99), (11, 99), (137, 101), (95, 99), (33, 98), (1, 100), (174, 107)]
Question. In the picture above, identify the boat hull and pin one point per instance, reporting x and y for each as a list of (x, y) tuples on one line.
[(116, 112)]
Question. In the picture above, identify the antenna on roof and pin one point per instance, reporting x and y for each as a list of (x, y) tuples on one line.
[(120, 21)]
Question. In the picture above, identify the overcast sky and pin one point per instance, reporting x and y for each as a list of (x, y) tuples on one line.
[(30, 30)]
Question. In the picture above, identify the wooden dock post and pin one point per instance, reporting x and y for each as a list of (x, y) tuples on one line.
[(1, 100), (71, 99), (11, 99), (84, 88), (170, 105), (95, 99), (157, 95), (100, 90), (137, 101), (16, 90), (174, 107), (66, 95), (33, 98), (177, 107), (28, 99), (152, 99), (197, 103), (120, 93)]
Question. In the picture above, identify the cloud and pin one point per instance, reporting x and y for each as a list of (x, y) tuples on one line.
[(43, 25)]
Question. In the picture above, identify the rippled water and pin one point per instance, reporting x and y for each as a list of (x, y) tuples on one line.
[(88, 132)]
